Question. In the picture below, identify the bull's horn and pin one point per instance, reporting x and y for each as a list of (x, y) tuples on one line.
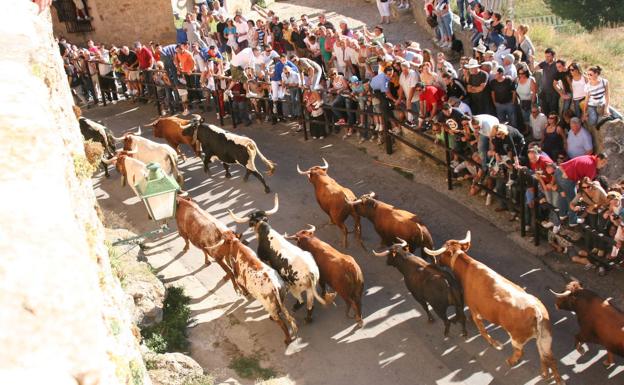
[(236, 218), (222, 241), (302, 172), (311, 228), (355, 202), (560, 295), (373, 194), (138, 133), (274, 209), (130, 152), (182, 193), (435, 252), (289, 236), (403, 242), (384, 254), (153, 123), (118, 139), (187, 126), (326, 165), (109, 161), (465, 240)]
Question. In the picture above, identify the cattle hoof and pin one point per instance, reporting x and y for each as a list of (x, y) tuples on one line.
[(360, 324), (607, 363), (309, 320), (267, 190), (431, 320), (228, 175), (297, 306)]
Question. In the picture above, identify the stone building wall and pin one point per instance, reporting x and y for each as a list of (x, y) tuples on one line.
[(121, 22), (64, 317)]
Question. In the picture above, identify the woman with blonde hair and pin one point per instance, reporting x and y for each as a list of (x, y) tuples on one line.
[(524, 42)]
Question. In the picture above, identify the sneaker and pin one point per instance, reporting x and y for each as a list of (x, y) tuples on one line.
[(362, 140), (547, 224), (488, 200), (580, 220), (555, 229), (322, 137), (314, 137), (340, 122)]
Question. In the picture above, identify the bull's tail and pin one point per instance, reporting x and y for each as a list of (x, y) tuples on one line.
[(270, 164), (327, 299), (174, 169), (544, 343)]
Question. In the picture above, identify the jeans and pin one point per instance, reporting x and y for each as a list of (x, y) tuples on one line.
[(553, 198), (352, 105), (446, 25), (241, 112), (339, 102), (593, 115), (566, 104), (569, 188), (506, 112), (483, 147), (461, 6), (294, 101)]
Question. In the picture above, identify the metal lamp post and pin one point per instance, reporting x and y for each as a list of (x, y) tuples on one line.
[(158, 192)]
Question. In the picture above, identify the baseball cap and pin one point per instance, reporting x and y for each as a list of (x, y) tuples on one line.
[(354, 79)]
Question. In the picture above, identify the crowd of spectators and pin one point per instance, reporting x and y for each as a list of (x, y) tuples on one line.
[(504, 111)]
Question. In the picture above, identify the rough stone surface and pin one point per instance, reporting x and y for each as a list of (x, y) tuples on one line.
[(146, 291), (63, 319), (171, 368), (613, 139)]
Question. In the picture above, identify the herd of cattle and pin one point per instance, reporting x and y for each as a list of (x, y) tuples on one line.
[(451, 279)]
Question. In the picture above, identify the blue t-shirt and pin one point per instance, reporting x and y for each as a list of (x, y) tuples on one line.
[(279, 68)]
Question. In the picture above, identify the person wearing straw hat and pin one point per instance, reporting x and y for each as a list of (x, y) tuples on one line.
[(477, 81)]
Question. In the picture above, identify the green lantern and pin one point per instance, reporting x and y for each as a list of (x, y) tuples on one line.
[(158, 192)]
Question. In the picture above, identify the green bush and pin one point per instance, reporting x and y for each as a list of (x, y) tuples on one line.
[(249, 367), (170, 335), (591, 14)]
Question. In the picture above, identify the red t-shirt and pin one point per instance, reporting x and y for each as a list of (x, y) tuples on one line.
[(541, 163), (145, 58), (477, 23), (579, 167), (431, 95)]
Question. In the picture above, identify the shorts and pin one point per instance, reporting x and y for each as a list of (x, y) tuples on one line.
[(376, 105), (238, 74), (133, 76)]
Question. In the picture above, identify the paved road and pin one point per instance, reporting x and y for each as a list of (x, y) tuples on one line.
[(396, 345)]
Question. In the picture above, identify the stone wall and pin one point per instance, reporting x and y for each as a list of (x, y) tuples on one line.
[(613, 138), (64, 318), (121, 22)]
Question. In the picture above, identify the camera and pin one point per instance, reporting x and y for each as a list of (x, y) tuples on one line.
[(582, 205)]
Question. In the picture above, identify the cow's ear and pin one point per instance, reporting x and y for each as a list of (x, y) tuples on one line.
[(465, 246)]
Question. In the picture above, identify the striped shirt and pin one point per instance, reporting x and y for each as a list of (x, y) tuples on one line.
[(597, 93), (260, 38)]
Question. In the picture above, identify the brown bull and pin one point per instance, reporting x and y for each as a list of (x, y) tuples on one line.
[(334, 199), (203, 231), (392, 223), (170, 128), (340, 271), (600, 322), (492, 297)]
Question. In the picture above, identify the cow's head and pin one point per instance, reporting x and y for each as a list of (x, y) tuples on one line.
[(395, 253), (192, 125), (451, 249), (302, 235), (256, 217), (567, 299), (365, 206), (314, 172)]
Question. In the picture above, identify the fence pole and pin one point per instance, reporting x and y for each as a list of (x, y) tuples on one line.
[(303, 116), (385, 118), (523, 188), (536, 227), (447, 153), (232, 112)]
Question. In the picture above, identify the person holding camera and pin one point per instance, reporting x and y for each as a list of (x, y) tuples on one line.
[(588, 201)]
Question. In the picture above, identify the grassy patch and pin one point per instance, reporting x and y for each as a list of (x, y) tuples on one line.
[(82, 167), (170, 335), (115, 261), (405, 174), (249, 367)]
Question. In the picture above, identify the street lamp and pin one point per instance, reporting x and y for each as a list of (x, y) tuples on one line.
[(158, 192)]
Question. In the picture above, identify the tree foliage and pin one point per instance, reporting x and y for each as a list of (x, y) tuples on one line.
[(591, 14)]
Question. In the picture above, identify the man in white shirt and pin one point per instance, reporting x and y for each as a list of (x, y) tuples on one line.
[(265, 59), (245, 58), (537, 122), (460, 105), (339, 55), (407, 90), (482, 127), (241, 31), (218, 10)]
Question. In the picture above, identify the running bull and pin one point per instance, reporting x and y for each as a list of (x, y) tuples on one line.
[(171, 129), (334, 199), (392, 223), (429, 284), (296, 267), (229, 148), (340, 271), (258, 279), (600, 322), (492, 297)]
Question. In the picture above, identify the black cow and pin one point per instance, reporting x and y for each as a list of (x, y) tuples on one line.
[(229, 148), (96, 132), (429, 284)]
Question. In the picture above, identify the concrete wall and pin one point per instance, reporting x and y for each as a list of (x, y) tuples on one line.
[(121, 22), (64, 317)]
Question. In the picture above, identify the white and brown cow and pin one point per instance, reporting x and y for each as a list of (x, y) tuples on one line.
[(494, 298), (259, 280)]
